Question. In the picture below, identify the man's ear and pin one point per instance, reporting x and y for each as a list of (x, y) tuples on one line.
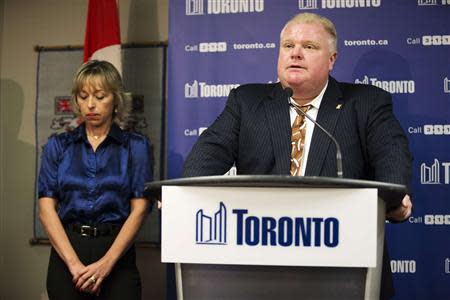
[(332, 60)]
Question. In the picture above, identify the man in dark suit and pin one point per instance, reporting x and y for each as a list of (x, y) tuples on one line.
[(254, 130)]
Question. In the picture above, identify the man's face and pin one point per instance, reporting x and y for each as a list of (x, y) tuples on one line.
[(305, 58)]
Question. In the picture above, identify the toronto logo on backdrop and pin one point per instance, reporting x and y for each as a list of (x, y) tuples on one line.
[(315, 4), (447, 265), (403, 266), (391, 86), (433, 2), (199, 89), (446, 85), (198, 7), (431, 174)]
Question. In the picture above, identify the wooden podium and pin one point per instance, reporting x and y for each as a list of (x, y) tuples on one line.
[(274, 237)]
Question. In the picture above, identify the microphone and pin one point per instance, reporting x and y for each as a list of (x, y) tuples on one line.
[(289, 92)]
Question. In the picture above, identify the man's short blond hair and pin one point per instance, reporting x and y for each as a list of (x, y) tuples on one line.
[(315, 18)]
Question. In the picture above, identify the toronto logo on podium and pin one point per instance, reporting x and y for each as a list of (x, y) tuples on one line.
[(253, 230), (212, 230)]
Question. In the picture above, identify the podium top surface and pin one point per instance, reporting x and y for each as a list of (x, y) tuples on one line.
[(391, 193)]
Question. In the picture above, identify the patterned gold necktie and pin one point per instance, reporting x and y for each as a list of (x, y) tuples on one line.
[(298, 140)]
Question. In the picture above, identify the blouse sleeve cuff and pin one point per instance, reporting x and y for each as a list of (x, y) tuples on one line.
[(136, 194), (47, 194)]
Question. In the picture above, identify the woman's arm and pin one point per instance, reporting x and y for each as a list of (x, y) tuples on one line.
[(103, 267), (57, 235)]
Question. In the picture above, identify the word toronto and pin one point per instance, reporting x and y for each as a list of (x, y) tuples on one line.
[(350, 3), (312, 4), (234, 6), (286, 231), (392, 86), (207, 90)]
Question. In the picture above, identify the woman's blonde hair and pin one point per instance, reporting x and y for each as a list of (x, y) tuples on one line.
[(104, 73)]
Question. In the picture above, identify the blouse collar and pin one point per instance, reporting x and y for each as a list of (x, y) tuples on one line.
[(115, 132)]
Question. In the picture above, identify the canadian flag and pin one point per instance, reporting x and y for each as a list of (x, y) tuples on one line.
[(102, 40)]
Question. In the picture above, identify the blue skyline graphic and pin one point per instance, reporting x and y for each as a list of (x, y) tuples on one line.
[(211, 230)]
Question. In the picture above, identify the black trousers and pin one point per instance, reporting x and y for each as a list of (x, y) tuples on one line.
[(122, 283)]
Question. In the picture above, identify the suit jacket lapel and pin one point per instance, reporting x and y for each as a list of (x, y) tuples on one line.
[(327, 117), (278, 122)]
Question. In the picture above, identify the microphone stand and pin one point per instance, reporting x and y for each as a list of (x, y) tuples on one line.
[(289, 92)]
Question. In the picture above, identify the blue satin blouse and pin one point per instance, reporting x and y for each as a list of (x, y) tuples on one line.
[(95, 187)]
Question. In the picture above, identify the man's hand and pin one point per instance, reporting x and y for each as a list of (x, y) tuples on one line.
[(402, 212)]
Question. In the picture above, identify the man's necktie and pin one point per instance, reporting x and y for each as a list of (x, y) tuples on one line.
[(298, 140)]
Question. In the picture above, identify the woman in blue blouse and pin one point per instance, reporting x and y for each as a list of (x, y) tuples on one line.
[(91, 185)]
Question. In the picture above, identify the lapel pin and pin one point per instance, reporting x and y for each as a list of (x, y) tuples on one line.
[(338, 106)]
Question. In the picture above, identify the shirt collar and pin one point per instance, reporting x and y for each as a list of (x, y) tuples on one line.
[(316, 101), (115, 133)]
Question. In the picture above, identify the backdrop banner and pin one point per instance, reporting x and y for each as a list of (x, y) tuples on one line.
[(401, 46)]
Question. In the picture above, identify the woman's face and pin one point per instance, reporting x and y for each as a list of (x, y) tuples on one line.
[(96, 104)]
